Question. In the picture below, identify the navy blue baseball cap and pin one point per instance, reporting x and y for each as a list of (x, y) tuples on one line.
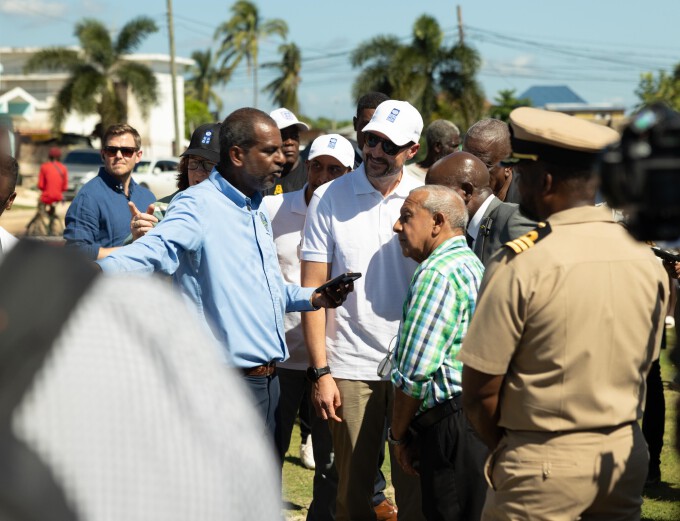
[(205, 142)]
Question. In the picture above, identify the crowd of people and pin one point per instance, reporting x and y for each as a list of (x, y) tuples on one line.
[(497, 341)]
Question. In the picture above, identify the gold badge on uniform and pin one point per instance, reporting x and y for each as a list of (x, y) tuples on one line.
[(528, 240), (278, 190)]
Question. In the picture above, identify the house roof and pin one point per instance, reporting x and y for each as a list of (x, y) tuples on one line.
[(541, 95)]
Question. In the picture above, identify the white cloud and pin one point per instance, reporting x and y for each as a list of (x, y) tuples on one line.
[(522, 65), (33, 7)]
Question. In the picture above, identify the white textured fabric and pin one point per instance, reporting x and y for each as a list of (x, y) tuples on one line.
[(287, 214), (349, 224), (7, 241), (139, 420)]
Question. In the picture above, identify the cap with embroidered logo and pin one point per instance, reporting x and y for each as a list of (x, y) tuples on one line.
[(333, 145), (205, 142), (285, 118), (398, 120), (556, 137)]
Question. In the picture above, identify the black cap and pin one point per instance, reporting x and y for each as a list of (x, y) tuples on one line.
[(205, 142)]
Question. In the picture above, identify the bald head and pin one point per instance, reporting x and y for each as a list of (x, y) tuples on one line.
[(466, 174)]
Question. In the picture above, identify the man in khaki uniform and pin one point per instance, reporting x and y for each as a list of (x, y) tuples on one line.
[(556, 387)]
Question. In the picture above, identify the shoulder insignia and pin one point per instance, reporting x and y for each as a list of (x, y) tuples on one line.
[(528, 240)]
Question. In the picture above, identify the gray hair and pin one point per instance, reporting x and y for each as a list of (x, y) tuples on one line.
[(444, 200), (441, 131), (488, 133)]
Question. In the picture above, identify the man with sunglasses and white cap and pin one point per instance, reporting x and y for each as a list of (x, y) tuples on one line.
[(349, 228), (98, 218), (294, 174)]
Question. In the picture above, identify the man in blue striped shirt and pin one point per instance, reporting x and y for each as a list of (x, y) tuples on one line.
[(429, 430)]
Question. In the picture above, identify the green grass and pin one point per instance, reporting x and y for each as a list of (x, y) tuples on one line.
[(661, 503)]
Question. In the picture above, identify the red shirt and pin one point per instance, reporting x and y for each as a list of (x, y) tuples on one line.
[(53, 181)]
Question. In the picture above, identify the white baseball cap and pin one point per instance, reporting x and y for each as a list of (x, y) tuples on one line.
[(333, 145), (285, 118), (398, 120)]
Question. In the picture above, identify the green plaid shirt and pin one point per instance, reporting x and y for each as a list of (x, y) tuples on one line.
[(435, 318)]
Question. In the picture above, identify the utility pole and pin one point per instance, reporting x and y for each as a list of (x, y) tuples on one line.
[(173, 75), (461, 36)]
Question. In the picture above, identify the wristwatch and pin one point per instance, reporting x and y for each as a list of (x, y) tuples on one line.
[(314, 373)]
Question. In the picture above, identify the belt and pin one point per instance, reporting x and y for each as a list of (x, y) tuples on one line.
[(260, 370), (437, 413)]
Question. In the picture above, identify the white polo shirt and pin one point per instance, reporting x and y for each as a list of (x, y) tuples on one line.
[(349, 224), (287, 214)]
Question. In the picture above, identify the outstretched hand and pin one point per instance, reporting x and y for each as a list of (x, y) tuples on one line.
[(141, 223)]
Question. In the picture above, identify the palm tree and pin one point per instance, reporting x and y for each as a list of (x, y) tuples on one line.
[(240, 38), (204, 76), (283, 89), (461, 91), (377, 56), (99, 75)]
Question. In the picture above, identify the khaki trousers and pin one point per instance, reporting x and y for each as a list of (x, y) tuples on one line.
[(356, 442), (564, 477)]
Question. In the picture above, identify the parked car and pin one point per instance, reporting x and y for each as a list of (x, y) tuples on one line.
[(158, 175), (82, 164)]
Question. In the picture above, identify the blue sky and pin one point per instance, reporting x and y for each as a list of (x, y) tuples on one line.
[(597, 47)]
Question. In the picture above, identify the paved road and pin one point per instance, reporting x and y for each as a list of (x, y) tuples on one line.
[(25, 206)]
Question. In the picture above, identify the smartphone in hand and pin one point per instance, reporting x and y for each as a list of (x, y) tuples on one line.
[(340, 279)]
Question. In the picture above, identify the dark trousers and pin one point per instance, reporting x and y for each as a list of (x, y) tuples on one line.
[(452, 461), (266, 392), (654, 418)]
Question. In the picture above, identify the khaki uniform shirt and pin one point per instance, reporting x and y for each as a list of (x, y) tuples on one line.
[(573, 323)]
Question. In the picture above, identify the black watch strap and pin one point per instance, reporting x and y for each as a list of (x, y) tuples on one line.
[(314, 373)]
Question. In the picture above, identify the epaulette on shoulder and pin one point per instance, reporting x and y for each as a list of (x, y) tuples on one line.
[(528, 240)]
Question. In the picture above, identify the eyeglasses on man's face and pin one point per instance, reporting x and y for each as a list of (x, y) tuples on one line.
[(388, 147), (126, 152), (202, 164)]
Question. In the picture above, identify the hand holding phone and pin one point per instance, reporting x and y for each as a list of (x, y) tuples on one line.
[(345, 278)]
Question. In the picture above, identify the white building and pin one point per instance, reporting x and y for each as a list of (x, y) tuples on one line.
[(29, 97)]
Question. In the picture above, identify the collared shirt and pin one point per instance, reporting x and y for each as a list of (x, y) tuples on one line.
[(287, 212), (476, 221), (436, 315), (349, 225), (573, 323), (218, 245), (99, 216)]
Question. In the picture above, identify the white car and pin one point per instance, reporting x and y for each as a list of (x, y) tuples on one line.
[(158, 175)]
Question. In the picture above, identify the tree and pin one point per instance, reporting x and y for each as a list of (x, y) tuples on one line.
[(204, 75), (506, 102), (437, 79), (240, 38), (283, 89), (377, 57), (100, 77), (196, 113), (462, 96), (665, 87)]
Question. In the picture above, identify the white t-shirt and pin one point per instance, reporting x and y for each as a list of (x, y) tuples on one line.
[(7, 240), (287, 214), (349, 224)]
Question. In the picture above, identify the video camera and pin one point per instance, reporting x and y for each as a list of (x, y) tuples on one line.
[(640, 175)]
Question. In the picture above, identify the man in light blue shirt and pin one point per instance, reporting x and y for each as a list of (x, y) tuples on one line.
[(216, 240)]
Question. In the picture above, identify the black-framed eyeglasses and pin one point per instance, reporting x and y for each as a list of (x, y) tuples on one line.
[(125, 151), (388, 147), (203, 164)]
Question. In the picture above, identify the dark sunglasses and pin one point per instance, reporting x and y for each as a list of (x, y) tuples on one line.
[(205, 165), (125, 151), (387, 146)]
